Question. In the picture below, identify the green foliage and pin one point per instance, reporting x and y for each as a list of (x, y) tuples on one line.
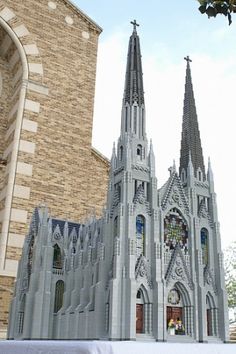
[(214, 7), (230, 273)]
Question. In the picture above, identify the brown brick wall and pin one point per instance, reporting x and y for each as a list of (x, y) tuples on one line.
[(6, 290)]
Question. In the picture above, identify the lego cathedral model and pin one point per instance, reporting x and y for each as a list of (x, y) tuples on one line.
[(151, 267)]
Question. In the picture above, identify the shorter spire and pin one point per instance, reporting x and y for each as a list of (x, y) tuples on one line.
[(191, 141)]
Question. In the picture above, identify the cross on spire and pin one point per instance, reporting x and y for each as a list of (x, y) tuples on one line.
[(135, 24), (188, 60)]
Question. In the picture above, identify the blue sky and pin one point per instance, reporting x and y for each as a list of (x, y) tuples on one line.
[(168, 32)]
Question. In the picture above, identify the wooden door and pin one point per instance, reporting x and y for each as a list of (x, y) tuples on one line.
[(139, 318), (174, 313)]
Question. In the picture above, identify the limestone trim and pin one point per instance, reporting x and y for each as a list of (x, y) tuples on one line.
[(16, 240), (25, 169), (7, 14), (23, 53), (6, 212)]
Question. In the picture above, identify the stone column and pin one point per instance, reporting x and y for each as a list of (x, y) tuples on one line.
[(150, 318), (146, 315)]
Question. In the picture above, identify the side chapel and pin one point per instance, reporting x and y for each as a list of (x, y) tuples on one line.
[(153, 259)]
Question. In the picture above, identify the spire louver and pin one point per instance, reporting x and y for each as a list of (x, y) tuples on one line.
[(190, 141)]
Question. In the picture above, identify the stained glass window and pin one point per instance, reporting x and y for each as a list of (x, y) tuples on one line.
[(121, 153), (139, 151), (204, 246), (175, 230), (140, 234), (57, 257)]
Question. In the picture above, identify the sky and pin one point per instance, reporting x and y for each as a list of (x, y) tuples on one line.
[(168, 31)]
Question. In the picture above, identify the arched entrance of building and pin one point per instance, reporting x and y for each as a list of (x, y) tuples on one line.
[(211, 316), (179, 312), (143, 312)]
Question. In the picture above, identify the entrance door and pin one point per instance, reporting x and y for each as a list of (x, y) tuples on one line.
[(209, 322), (174, 313), (139, 318)]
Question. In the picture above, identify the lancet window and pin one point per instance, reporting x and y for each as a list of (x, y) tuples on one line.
[(204, 246), (115, 227), (139, 152), (140, 235), (57, 257)]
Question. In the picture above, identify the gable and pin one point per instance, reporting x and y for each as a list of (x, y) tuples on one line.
[(174, 195), (178, 269)]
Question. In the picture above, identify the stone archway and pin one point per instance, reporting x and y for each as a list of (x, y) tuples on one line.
[(143, 312), (179, 308), (211, 316)]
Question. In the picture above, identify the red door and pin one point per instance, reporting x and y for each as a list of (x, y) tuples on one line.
[(139, 318)]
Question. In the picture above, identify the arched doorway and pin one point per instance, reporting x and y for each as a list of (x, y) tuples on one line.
[(139, 312), (143, 312), (179, 311), (211, 316)]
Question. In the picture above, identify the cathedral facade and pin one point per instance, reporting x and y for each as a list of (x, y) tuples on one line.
[(152, 262)]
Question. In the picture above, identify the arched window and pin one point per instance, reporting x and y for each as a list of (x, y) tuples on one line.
[(59, 294), (204, 246), (121, 153), (140, 235), (57, 257), (115, 227), (139, 152)]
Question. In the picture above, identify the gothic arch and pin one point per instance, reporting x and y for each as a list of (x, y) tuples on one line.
[(143, 311), (183, 309), (17, 56), (144, 293), (211, 300), (184, 293), (211, 315)]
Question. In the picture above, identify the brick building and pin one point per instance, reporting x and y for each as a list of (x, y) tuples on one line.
[(48, 53)]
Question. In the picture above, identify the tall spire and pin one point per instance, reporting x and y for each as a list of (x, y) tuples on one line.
[(190, 141), (133, 91), (133, 110)]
